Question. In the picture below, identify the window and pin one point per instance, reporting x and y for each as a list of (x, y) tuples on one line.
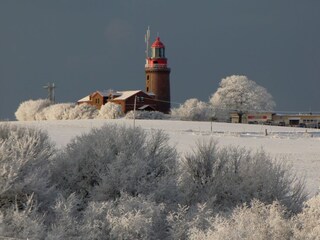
[(148, 77)]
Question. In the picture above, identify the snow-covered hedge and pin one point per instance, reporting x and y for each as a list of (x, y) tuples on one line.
[(31, 109), (192, 110), (124, 183), (146, 115), (110, 111), (43, 109)]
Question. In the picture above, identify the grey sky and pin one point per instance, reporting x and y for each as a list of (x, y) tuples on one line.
[(88, 45)]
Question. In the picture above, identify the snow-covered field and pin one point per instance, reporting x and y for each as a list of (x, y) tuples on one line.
[(299, 146)]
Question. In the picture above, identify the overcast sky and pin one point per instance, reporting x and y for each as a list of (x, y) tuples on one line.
[(88, 45)]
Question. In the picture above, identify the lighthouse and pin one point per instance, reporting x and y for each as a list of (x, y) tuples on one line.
[(158, 75)]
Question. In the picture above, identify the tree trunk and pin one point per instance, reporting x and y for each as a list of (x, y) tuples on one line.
[(240, 114)]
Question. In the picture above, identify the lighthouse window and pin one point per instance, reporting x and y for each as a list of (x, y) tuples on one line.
[(161, 52), (148, 77)]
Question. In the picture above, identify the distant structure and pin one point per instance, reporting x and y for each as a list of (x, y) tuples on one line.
[(158, 75), (50, 87), (156, 96)]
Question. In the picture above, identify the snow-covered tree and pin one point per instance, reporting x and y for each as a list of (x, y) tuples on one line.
[(192, 110), (110, 111), (240, 94), (29, 110)]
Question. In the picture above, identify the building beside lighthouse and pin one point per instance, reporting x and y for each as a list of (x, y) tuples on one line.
[(155, 97)]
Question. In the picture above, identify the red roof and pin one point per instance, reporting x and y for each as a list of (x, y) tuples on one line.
[(157, 44)]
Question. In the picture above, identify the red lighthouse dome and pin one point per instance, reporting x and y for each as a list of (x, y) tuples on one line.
[(157, 44)]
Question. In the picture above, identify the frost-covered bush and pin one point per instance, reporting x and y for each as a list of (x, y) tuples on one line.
[(29, 110), (59, 111), (307, 223), (26, 223), (83, 111), (146, 115), (110, 111), (226, 177), (124, 218), (259, 221), (192, 110), (101, 164), (136, 218), (65, 219), (43, 109), (186, 218), (25, 155)]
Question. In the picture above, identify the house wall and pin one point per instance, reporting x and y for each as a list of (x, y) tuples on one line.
[(258, 117), (97, 100), (295, 119), (310, 120), (142, 99)]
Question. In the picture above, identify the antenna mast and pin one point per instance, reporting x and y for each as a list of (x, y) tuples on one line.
[(146, 39), (50, 88)]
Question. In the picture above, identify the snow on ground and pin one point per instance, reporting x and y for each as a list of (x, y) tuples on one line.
[(299, 146)]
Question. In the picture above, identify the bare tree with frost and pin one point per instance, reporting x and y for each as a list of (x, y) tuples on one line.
[(240, 94), (101, 164), (226, 177), (25, 155)]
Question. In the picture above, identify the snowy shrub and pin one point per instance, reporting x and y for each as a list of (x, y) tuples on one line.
[(230, 176), (186, 218), (307, 223), (259, 221), (57, 111), (136, 218), (124, 218), (83, 111), (101, 164), (25, 155), (65, 224), (22, 224), (240, 94), (146, 115), (110, 111), (31, 110), (192, 110)]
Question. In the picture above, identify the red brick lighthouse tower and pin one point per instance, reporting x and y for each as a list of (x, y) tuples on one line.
[(158, 75)]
